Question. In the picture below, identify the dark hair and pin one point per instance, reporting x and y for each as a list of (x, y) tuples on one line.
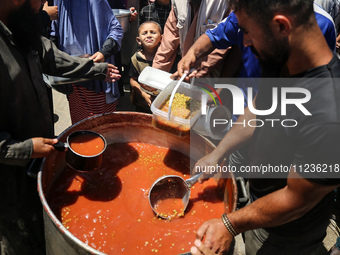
[(264, 10), (151, 22)]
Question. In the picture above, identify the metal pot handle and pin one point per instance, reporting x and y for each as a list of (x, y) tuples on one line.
[(33, 166), (242, 200), (60, 146)]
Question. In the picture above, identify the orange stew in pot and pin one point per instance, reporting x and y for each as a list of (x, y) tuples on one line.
[(109, 209), (87, 144)]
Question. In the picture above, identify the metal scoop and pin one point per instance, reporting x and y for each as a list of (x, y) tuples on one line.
[(171, 186)]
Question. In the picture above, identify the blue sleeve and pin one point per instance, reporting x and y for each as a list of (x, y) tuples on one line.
[(225, 34), (327, 29), (116, 31), (106, 14)]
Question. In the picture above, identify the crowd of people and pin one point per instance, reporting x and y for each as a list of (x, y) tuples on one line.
[(217, 38)]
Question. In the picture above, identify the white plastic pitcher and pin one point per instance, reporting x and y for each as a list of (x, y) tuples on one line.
[(205, 123)]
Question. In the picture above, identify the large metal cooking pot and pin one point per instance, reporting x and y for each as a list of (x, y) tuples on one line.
[(123, 17), (116, 128)]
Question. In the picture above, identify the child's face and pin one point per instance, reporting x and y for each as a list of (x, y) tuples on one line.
[(149, 35)]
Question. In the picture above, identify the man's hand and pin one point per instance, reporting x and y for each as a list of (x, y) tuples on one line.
[(217, 237), (185, 64), (200, 48), (176, 76), (42, 147), (133, 15), (52, 11), (112, 74), (203, 164), (97, 57), (200, 248)]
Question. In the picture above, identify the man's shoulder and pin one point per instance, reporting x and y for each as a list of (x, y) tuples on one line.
[(330, 70), (334, 67), (322, 13)]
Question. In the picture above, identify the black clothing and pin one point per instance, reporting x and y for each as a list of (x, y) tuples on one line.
[(45, 23), (117, 4), (26, 112), (155, 12), (314, 140), (109, 48)]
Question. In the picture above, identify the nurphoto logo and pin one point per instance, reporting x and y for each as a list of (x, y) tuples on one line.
[(280, 97)]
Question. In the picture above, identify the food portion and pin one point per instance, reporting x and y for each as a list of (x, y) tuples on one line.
[(109, 209), (166, 198), (183, 107), (87, 144), (170, 208)]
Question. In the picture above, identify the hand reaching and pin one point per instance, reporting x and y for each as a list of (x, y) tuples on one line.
[(200, 248), (42, 147), (97, 57), (185, 64), (52, 11), (217, 238), (203, 164), (112, 74), (133, 15)]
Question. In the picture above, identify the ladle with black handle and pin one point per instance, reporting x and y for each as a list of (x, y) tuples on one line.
[(160, 190)]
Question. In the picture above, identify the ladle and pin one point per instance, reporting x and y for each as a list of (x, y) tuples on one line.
[(171, 186), (79, 161)]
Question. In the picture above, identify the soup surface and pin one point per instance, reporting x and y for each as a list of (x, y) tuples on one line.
[(87, 144), (109, 209), (170, 208)]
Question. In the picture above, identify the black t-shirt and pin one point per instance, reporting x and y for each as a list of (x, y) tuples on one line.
[(313, 144)]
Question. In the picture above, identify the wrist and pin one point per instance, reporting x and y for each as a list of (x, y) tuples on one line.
[(217, 155), (228, 225)]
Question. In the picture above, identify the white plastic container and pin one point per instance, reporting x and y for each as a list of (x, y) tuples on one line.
[(154, 78), (175, 125)]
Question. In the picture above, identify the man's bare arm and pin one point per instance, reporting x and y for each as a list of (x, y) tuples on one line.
[(238, 136), (297, 198), (200, 48)]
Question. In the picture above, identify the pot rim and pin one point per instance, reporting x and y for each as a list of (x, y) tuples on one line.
[(121, 13)]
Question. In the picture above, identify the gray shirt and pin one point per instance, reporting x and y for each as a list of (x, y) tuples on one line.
[(25, 100)]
